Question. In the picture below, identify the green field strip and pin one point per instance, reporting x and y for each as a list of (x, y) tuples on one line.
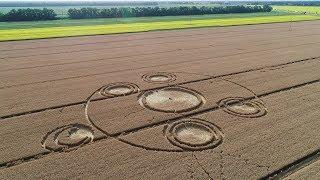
[(52, 32), (106, 21), (298, 9)]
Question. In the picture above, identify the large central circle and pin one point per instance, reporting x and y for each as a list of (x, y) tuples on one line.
[(171, 99)]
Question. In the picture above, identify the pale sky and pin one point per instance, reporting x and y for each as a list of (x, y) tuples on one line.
[(132, 0), (70, 0), (89, 0)]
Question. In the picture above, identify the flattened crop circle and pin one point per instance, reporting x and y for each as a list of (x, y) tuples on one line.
[(119, 89), (193, 134), (238, 106), (74, 136), (171, 100), (68, 137), (159, 77)]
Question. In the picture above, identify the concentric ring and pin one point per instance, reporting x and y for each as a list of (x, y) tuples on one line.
[(74, 136), (119, 89), (159, 77), (171, 100), (68, 137), (193, 134), (238, 106)]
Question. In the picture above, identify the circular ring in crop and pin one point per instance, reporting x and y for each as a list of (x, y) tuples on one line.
[(171, 100), (67, 137), (194, 134), (238, 106), (159, 77), (119, 89)]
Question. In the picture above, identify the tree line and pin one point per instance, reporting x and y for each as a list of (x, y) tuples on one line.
[(29, 15), (49, 14), (161, 11), (20, 3)]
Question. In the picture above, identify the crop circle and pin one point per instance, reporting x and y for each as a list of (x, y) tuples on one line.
[(68, 137), (119, 89), (193, 134), (159, 77), (171, 100), (238, 106), (74, 136)]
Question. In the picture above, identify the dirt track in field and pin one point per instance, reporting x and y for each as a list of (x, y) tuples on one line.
[(212, 103)]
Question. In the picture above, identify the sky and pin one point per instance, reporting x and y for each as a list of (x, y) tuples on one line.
[(129, 0), (134, 0)]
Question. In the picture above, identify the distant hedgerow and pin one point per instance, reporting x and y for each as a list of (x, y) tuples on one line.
[(29, 15), (160, 11)]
